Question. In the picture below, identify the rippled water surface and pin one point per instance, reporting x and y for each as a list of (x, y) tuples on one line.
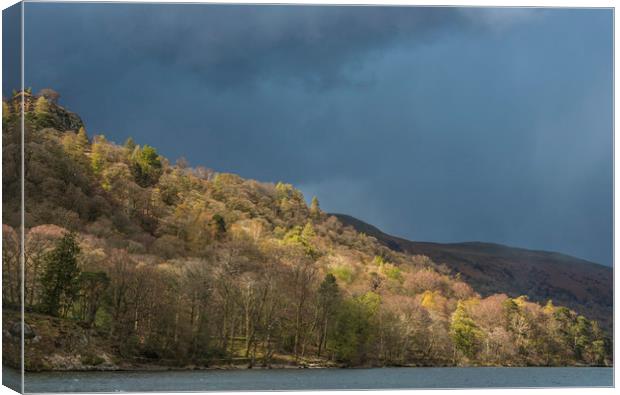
[(303, 379)]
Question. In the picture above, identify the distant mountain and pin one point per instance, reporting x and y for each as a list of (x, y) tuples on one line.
[(490, 268)]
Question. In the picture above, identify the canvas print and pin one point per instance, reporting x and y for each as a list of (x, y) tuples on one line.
[(208, 197)]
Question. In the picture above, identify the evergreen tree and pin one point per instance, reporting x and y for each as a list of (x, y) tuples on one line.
[(582, 336), (308, 233), (354, 329), (61, 277), (43, 118), (6, 111), (130, 145), (315, 209), (82, 139), (599, 347), (99, 153), (146, 165), (41, 106), (464, 332), (549, 307), (329, 299), (218, 226)]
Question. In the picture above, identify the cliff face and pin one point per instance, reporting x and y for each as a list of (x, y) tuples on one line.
[(66, 119)]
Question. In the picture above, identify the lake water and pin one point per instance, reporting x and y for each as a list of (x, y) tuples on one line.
[(304, 379)]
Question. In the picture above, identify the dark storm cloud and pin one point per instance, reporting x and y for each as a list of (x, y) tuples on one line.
[(440, 124), (11, 49), (228, 45)]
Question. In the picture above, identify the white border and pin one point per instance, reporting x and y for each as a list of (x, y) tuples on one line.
[(476, 3)]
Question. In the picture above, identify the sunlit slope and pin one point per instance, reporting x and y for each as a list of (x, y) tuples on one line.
[(490, 268), (150, 262)]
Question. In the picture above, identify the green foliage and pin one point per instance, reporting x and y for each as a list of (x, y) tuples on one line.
[(146, 165), (315, 209), (284, 191), (353, 333), (303, 237), (378, 261), (372, 301), (343, 273), (42, 113), (464, 332), (329, 293), (99, 154), (599, 352), (393, 273), (103, 319), (308, 232), (509, 309), (129, 145), (329, 303), (61, 277), (92, 360), (42, 106), (82, 139), (583, 336), (549, 307), (6, 111)]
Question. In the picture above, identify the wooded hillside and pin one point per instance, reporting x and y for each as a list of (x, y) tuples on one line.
[(165, 262)]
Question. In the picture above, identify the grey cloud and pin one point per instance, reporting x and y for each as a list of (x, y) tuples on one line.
[(227, 45), (442, 124)]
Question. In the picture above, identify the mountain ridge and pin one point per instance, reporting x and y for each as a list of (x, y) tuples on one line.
[(552, 266), (349, 219)]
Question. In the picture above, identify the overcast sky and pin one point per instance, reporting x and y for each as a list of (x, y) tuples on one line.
[(435, 124)]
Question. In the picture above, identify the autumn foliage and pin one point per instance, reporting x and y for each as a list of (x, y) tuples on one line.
[(168, 262)]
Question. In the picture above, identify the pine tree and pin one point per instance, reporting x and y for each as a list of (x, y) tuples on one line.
[(130, 145), (315, 209), (82, 139), (328, 302), (99, 153), (146, 165), (464, 332), (6, 111), (549, 307), (218, 226), (307, 234), (61, 277), (42, 106)]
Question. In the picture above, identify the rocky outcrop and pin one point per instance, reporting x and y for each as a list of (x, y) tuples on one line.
[(53, 343), (65, 120), (16, 330), (84, 361), (47, 112)]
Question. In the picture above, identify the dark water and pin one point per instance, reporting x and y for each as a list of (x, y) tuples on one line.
[(306, 379)]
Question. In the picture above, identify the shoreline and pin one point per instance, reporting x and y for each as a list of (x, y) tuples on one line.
[(160, 368)]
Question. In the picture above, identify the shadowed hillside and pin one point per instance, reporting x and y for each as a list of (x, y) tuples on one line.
[(490, 268)]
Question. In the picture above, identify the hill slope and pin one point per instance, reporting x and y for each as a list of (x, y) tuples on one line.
[(491, 268), (134, 261)]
